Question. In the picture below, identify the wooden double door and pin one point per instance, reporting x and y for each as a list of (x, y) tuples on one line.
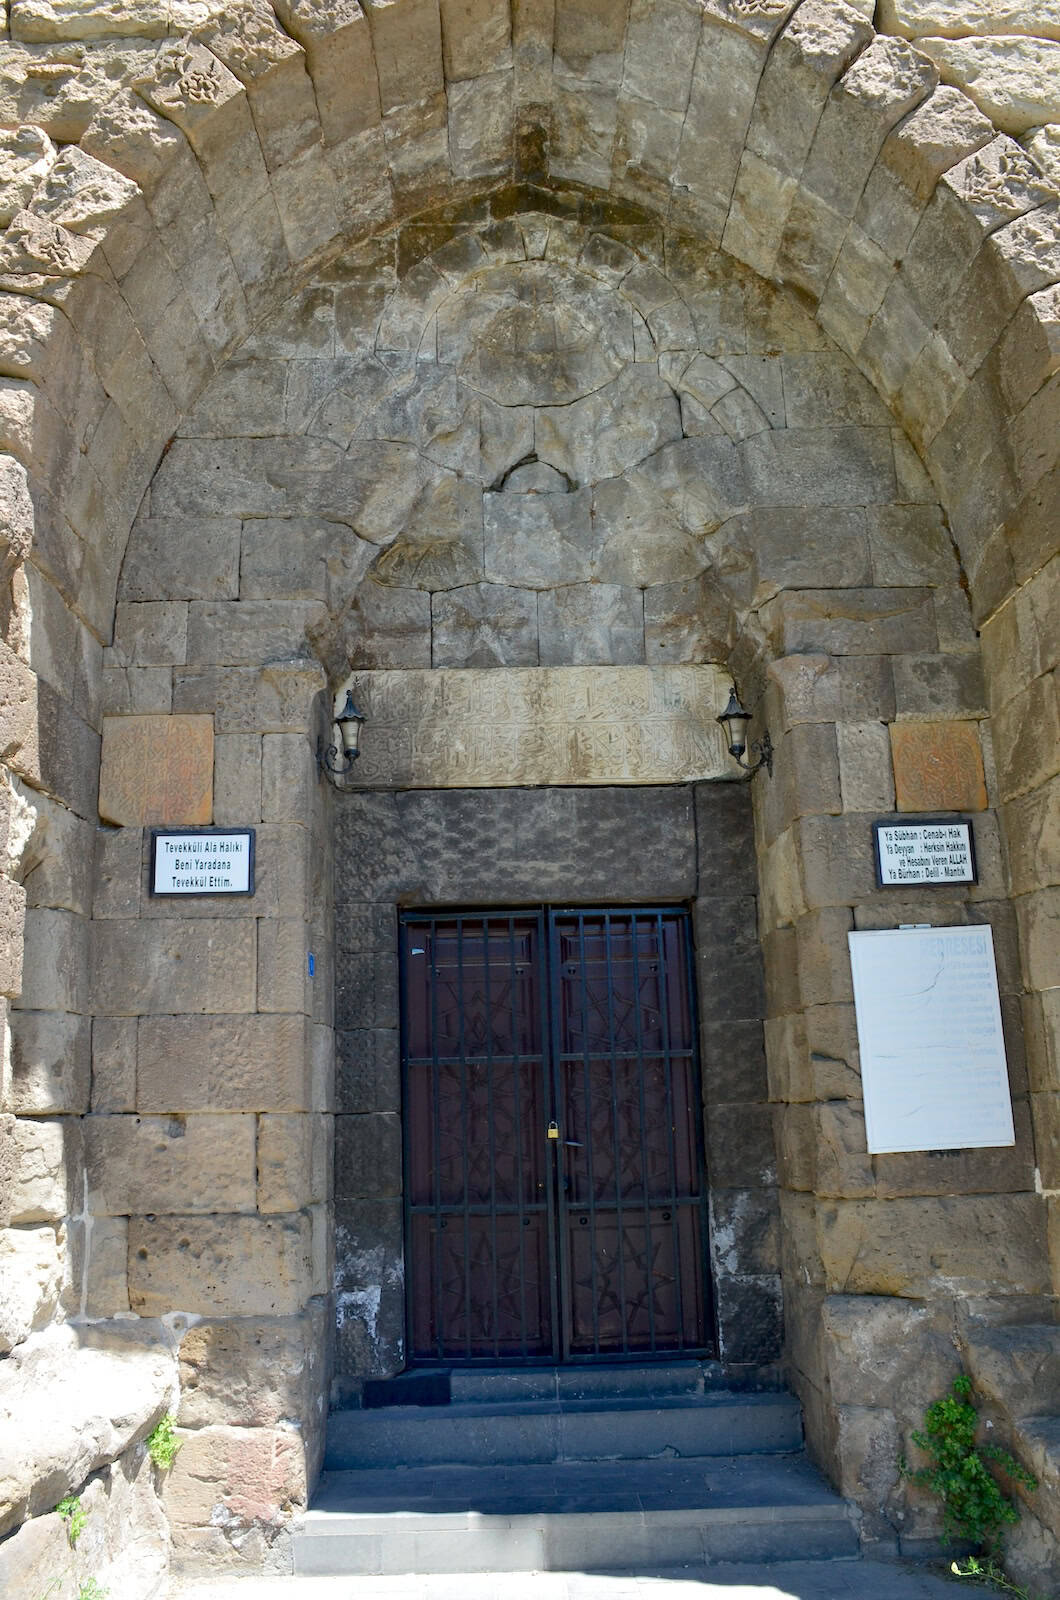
[(554, 1173)]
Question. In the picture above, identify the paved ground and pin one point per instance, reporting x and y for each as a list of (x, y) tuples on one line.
[(801, 1580)]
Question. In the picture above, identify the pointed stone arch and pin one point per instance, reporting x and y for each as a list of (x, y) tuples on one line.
[(173, 192)]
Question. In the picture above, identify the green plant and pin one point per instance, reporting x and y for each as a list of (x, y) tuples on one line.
[(55, 1584), (974, 1509), (162, 1442), (92, 1589), (988, 1571), (73, 1514)]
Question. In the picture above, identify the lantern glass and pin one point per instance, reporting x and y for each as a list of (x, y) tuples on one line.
[(734, 720), (350, 722)]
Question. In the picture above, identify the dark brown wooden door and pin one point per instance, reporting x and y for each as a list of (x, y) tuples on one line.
[(554, 1167)]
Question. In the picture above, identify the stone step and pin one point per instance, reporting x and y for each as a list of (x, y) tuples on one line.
[(616, 1427), (586, 1517), (642, 1381)]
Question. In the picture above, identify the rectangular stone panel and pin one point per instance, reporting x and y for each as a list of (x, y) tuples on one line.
[(223, 1266), (223, 1063), (163, 968), (503, 846), (938, 766), (156, 770), (533, 726), (166, 1165)]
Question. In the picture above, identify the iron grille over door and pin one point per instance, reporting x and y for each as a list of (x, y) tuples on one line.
[(554, 1179)]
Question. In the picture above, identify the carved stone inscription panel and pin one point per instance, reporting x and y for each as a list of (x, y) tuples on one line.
[(498, 728)]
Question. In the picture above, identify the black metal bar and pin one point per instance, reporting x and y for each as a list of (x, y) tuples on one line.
[(635, 939), (707, 1312), (675, 1232), (620, 1237), (517, 1090), (590, 1172), (492, 1131), (464, 1132), (552, 1107), (406, 1134)]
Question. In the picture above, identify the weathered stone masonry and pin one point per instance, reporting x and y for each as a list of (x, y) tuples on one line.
[(448, 333)]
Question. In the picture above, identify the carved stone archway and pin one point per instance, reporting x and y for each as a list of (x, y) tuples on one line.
[(176, 194)]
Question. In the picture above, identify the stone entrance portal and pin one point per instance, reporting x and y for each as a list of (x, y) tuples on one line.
[(678, 846), (555, 1193)]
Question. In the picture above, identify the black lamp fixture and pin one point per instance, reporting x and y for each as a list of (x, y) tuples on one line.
[(734, 720), (336, 759)]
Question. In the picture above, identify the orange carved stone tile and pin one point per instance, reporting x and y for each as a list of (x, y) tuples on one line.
[(938, 766), (157, 770)]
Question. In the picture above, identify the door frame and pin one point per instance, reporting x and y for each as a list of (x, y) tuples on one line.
[(558, 1209)]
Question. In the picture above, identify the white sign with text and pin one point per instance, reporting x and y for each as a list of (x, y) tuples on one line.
[(929, 1030), (202, 861), (924, 852)]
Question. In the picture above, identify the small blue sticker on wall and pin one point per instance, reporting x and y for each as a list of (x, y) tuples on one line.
[(312, 964)]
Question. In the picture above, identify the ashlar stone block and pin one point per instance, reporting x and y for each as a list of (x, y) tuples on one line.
[(388, 627), (869, 622), (50, 1063), (484, 625), (480, 125), (46, 1154), (552, 725), (1032, 829), (221, 1266), (590, 623), (536, 541), (815, 687), (938, 766), (257, 1476), (222, 1063), (1039, 920), (917, 1248), (1013, 80), (283, 981), (285, 1163), (1027, 737), (937, 687), (173, 966), (639, 538), (821, 466), (249, 1373), (408, 50), (277, 698), (157, 770), (53, 959), (169, 1165), (31, 1272), (691, 621), (113, 1064), (610, 430), (865, 774)]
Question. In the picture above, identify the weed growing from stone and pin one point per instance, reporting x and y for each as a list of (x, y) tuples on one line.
[(986, 1570), (974, 1509), (73, 1514), (92, 1589), (162, 1443)]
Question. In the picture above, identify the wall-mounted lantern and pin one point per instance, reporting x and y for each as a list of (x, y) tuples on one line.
[(336, 759), (734, 720)]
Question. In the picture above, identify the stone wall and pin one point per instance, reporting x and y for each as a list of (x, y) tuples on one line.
[(164, 192)]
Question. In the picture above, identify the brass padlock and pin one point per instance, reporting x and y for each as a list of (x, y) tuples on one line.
[(553, 1130)]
